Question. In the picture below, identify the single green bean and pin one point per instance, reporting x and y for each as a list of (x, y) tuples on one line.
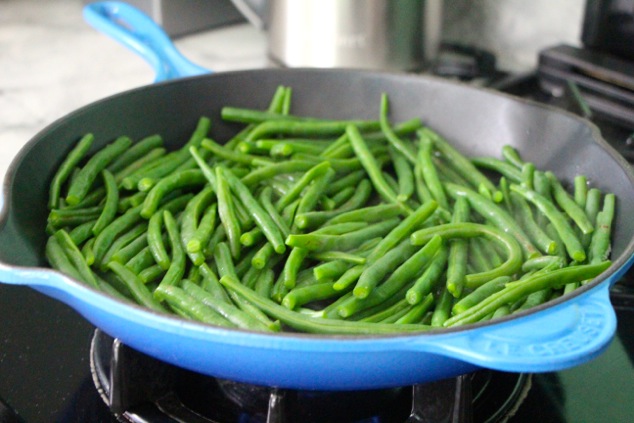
[(316, 242), (599, 249), (89, 172), (567, 234), (442, 311), (480, 294), (429, 172), (369, 163), (110, 206), (458, 251), (227, 214), (136, 287), (176, 269), (569, 206), (73, 158), (430, 277), (182, 179), (260, 216), (389, 133)]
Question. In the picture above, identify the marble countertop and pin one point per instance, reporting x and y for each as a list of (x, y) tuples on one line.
[(52, 62)]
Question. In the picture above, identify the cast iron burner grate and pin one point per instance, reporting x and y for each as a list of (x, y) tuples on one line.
[(139, 389)]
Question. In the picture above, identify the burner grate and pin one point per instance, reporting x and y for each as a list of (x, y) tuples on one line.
[(138, 389)]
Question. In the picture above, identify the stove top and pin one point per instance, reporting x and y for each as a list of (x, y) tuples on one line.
[(50, 372)]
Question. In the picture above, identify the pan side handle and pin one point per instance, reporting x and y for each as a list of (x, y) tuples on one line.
[(563, 336), (135, 30)]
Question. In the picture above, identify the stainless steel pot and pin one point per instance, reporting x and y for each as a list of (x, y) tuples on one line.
[(369, 34)]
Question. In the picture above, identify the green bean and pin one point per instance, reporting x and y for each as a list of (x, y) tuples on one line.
[(442, 311), (58, 259), (416, 312), (308, 177), (480, 294), (192, 214), (369, 163), (111, 205), (314, 192), (267, 202), (403, 229), (268, 171), (182, 179), (147, 159), (176, 268), (233, 156), (155, 241), (429, 278), (60, 218), (592, 207), (308, 128), (468, 230), (389, 314), (458, 250), (150, 274), (429, 172), (292, 265), (537, 298), (581, 190), (190, 307), (389, 133), (227, 214), (340, 228), (88, 173), (512, 156), (495, 214), (73, 158), (569, 206), (339, 255), (528, 175), (316, 242), (599, 248), (542, 262), (567, 234), (87, 252), (76, 258), (264, 282), (202, 234), (404, 175), (312, 324), (303, 295), (136, 287), (141, 260), (555, 279), (503, 168)]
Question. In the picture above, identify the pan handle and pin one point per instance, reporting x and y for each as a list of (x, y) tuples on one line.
[(143, 36), (563, 336)]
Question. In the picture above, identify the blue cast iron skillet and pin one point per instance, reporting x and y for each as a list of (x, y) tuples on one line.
[(564, 333)]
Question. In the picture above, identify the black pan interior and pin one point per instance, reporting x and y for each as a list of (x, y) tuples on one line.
[(478, 122)]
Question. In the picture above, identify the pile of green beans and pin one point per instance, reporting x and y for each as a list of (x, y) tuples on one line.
[(322, 226)]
